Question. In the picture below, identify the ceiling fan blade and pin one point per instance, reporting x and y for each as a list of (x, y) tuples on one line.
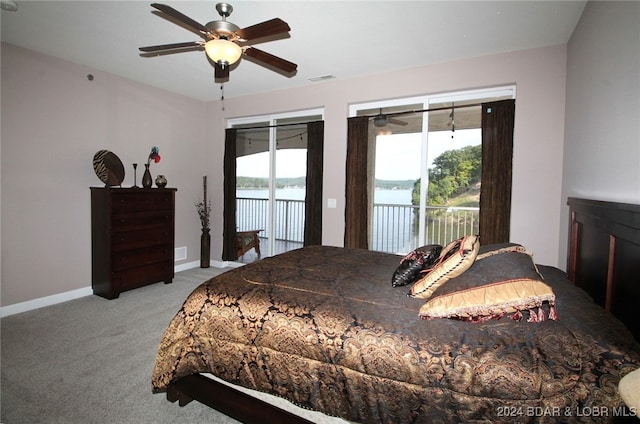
[(265, 29), (221, 72), (198, 27), (397, 122), (173, 46), (269, 59)]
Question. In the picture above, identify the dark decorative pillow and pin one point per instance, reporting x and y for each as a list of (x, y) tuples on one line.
[(503, 281), (455, 258), (413, 263)]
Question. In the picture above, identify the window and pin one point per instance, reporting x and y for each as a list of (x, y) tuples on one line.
[(425, 168)]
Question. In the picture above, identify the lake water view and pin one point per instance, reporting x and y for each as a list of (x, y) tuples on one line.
[(393, 197), (393, 229)]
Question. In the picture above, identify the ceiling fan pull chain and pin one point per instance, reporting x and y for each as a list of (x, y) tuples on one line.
[(222, 95)]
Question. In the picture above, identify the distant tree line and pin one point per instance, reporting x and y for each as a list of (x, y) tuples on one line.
[(262, 183), (454, 172), (394, 184)]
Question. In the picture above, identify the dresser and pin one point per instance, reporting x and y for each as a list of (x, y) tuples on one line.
[(132, 238)]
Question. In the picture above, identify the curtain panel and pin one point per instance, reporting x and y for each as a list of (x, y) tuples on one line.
[(497, 160), (313, 193), (356, 231), (229, 225)]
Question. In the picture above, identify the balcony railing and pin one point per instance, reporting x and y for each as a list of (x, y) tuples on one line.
[(395, 227), (251, 214)]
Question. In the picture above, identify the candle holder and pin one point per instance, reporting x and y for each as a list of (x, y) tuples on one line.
[(135, 165)]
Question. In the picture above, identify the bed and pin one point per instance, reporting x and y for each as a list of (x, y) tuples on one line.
[(323, 328)]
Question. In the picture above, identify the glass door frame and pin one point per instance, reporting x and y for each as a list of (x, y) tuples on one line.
[(271, 120), (426, 101)]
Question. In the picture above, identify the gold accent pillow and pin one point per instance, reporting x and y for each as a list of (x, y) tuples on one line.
[(455, 258), (503, 281)]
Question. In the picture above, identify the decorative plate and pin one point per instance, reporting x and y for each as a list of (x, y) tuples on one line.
[(108, 168)]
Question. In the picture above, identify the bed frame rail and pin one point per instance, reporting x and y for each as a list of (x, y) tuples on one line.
[(229, 401)]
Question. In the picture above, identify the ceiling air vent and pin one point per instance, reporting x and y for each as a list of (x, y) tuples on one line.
[(322, 78)]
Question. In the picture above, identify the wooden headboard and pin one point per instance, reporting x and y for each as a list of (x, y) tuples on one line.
[(604, 255)]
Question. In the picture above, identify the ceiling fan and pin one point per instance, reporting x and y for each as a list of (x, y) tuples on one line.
[(224, 42), (381, 120)]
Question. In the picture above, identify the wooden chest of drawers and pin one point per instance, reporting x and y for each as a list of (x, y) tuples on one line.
[(132, 238)]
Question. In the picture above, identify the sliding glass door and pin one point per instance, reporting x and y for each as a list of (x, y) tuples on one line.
[(425, 167), (271, 169)]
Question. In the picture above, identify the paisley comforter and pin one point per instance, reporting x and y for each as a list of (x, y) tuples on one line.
[(324, 328)]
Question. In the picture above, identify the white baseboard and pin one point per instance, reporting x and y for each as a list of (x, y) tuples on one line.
[(188, 265), (215, 264), (41, 302), (29, 305)]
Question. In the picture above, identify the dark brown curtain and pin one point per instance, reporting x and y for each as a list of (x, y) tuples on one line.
[(356, 231), (497, 154), (313, 199), (229, 228)]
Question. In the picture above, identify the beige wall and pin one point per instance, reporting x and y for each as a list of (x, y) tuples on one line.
[(539, 76), (602, 145), (54, 120)]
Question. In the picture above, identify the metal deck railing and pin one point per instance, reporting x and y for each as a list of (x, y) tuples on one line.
[(394, 228)]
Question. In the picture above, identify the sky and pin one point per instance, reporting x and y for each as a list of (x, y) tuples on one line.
[(397, 156), (290, 163)]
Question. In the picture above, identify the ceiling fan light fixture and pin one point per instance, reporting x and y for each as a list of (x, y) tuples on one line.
[(380, 120), (8, 5), (223, 52)]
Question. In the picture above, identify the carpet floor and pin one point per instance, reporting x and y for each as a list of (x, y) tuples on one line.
[(90, 360)]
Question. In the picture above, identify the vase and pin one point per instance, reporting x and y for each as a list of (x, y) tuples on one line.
[(161, 181), (146, 177), (205, 248)]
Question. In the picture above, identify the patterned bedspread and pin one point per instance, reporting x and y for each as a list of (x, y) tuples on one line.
[(323, 327)]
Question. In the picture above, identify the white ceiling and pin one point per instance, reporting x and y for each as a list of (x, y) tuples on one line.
[(345, 39)]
